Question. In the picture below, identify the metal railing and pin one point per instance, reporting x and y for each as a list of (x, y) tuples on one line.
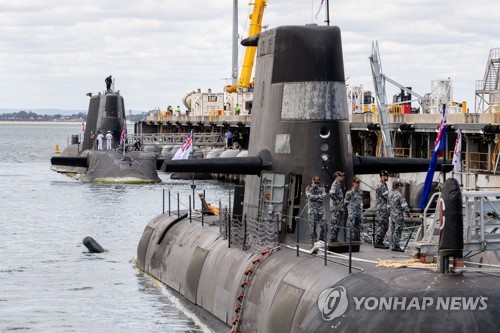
[(401, 152), (199, 139), (481, 220)]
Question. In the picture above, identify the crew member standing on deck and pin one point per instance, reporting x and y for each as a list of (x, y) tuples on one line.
[(108, 81), (109, 140), (397, 206), (354, 203), (382, 224), (92, 140), (336, 205), (316, 194), (99, 140), (137, 145)]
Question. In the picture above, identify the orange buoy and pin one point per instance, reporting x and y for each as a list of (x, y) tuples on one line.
[(57, 149)]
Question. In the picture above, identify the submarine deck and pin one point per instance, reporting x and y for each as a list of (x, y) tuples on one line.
[(364, 256), (367, 258)]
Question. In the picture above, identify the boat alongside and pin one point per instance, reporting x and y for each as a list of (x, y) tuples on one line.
[(84, 160)]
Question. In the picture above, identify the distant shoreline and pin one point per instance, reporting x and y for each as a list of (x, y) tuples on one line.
[(40, 122)]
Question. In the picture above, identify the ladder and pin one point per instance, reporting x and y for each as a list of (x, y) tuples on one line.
[(490, 81)]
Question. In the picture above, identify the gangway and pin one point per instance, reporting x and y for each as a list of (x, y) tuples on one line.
[(481, 214)]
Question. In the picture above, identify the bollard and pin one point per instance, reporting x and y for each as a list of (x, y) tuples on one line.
[(92, 245), (451, 234)]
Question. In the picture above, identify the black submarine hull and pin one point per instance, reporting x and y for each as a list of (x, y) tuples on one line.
[(284, 292), (108, 166)]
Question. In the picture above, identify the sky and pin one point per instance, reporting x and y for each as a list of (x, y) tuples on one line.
[(53, 52)]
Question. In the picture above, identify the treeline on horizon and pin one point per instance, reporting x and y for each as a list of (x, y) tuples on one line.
[(33, 116)]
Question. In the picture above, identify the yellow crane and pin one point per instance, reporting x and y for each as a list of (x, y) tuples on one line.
[(244, 82)]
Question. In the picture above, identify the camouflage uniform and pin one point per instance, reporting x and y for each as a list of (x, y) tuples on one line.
[(336, 207), (397, 206), (382, 195), (316, 211), (353, 201)]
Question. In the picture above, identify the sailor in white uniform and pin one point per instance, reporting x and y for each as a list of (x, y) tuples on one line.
[(99, 140), (109, 138)]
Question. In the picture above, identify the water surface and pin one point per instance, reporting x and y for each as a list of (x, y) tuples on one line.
[(49, 281)]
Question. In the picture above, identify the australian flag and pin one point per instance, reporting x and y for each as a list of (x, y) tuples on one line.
[(439, 145)]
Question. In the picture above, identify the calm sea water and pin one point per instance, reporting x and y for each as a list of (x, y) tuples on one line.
[(48, 280)]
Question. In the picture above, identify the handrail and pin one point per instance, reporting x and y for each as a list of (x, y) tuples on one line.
[(178, 138), (429, 231), (476, 202)]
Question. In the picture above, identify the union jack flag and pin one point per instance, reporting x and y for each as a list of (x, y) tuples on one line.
[(185, 149), (124, 134), (456, 157), (440, 143)]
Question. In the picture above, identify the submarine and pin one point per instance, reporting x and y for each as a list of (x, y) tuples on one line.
[(82, 160), (251, 267)]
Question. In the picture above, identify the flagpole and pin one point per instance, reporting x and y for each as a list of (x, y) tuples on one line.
[(439, 146), (123, 136), (327, 12), (445, 147), (457, 158)]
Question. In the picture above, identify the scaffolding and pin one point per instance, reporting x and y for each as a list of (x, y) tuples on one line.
[(488, 89)]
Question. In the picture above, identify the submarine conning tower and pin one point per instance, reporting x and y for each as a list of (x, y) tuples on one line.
[(300, 109), (106, 113)]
